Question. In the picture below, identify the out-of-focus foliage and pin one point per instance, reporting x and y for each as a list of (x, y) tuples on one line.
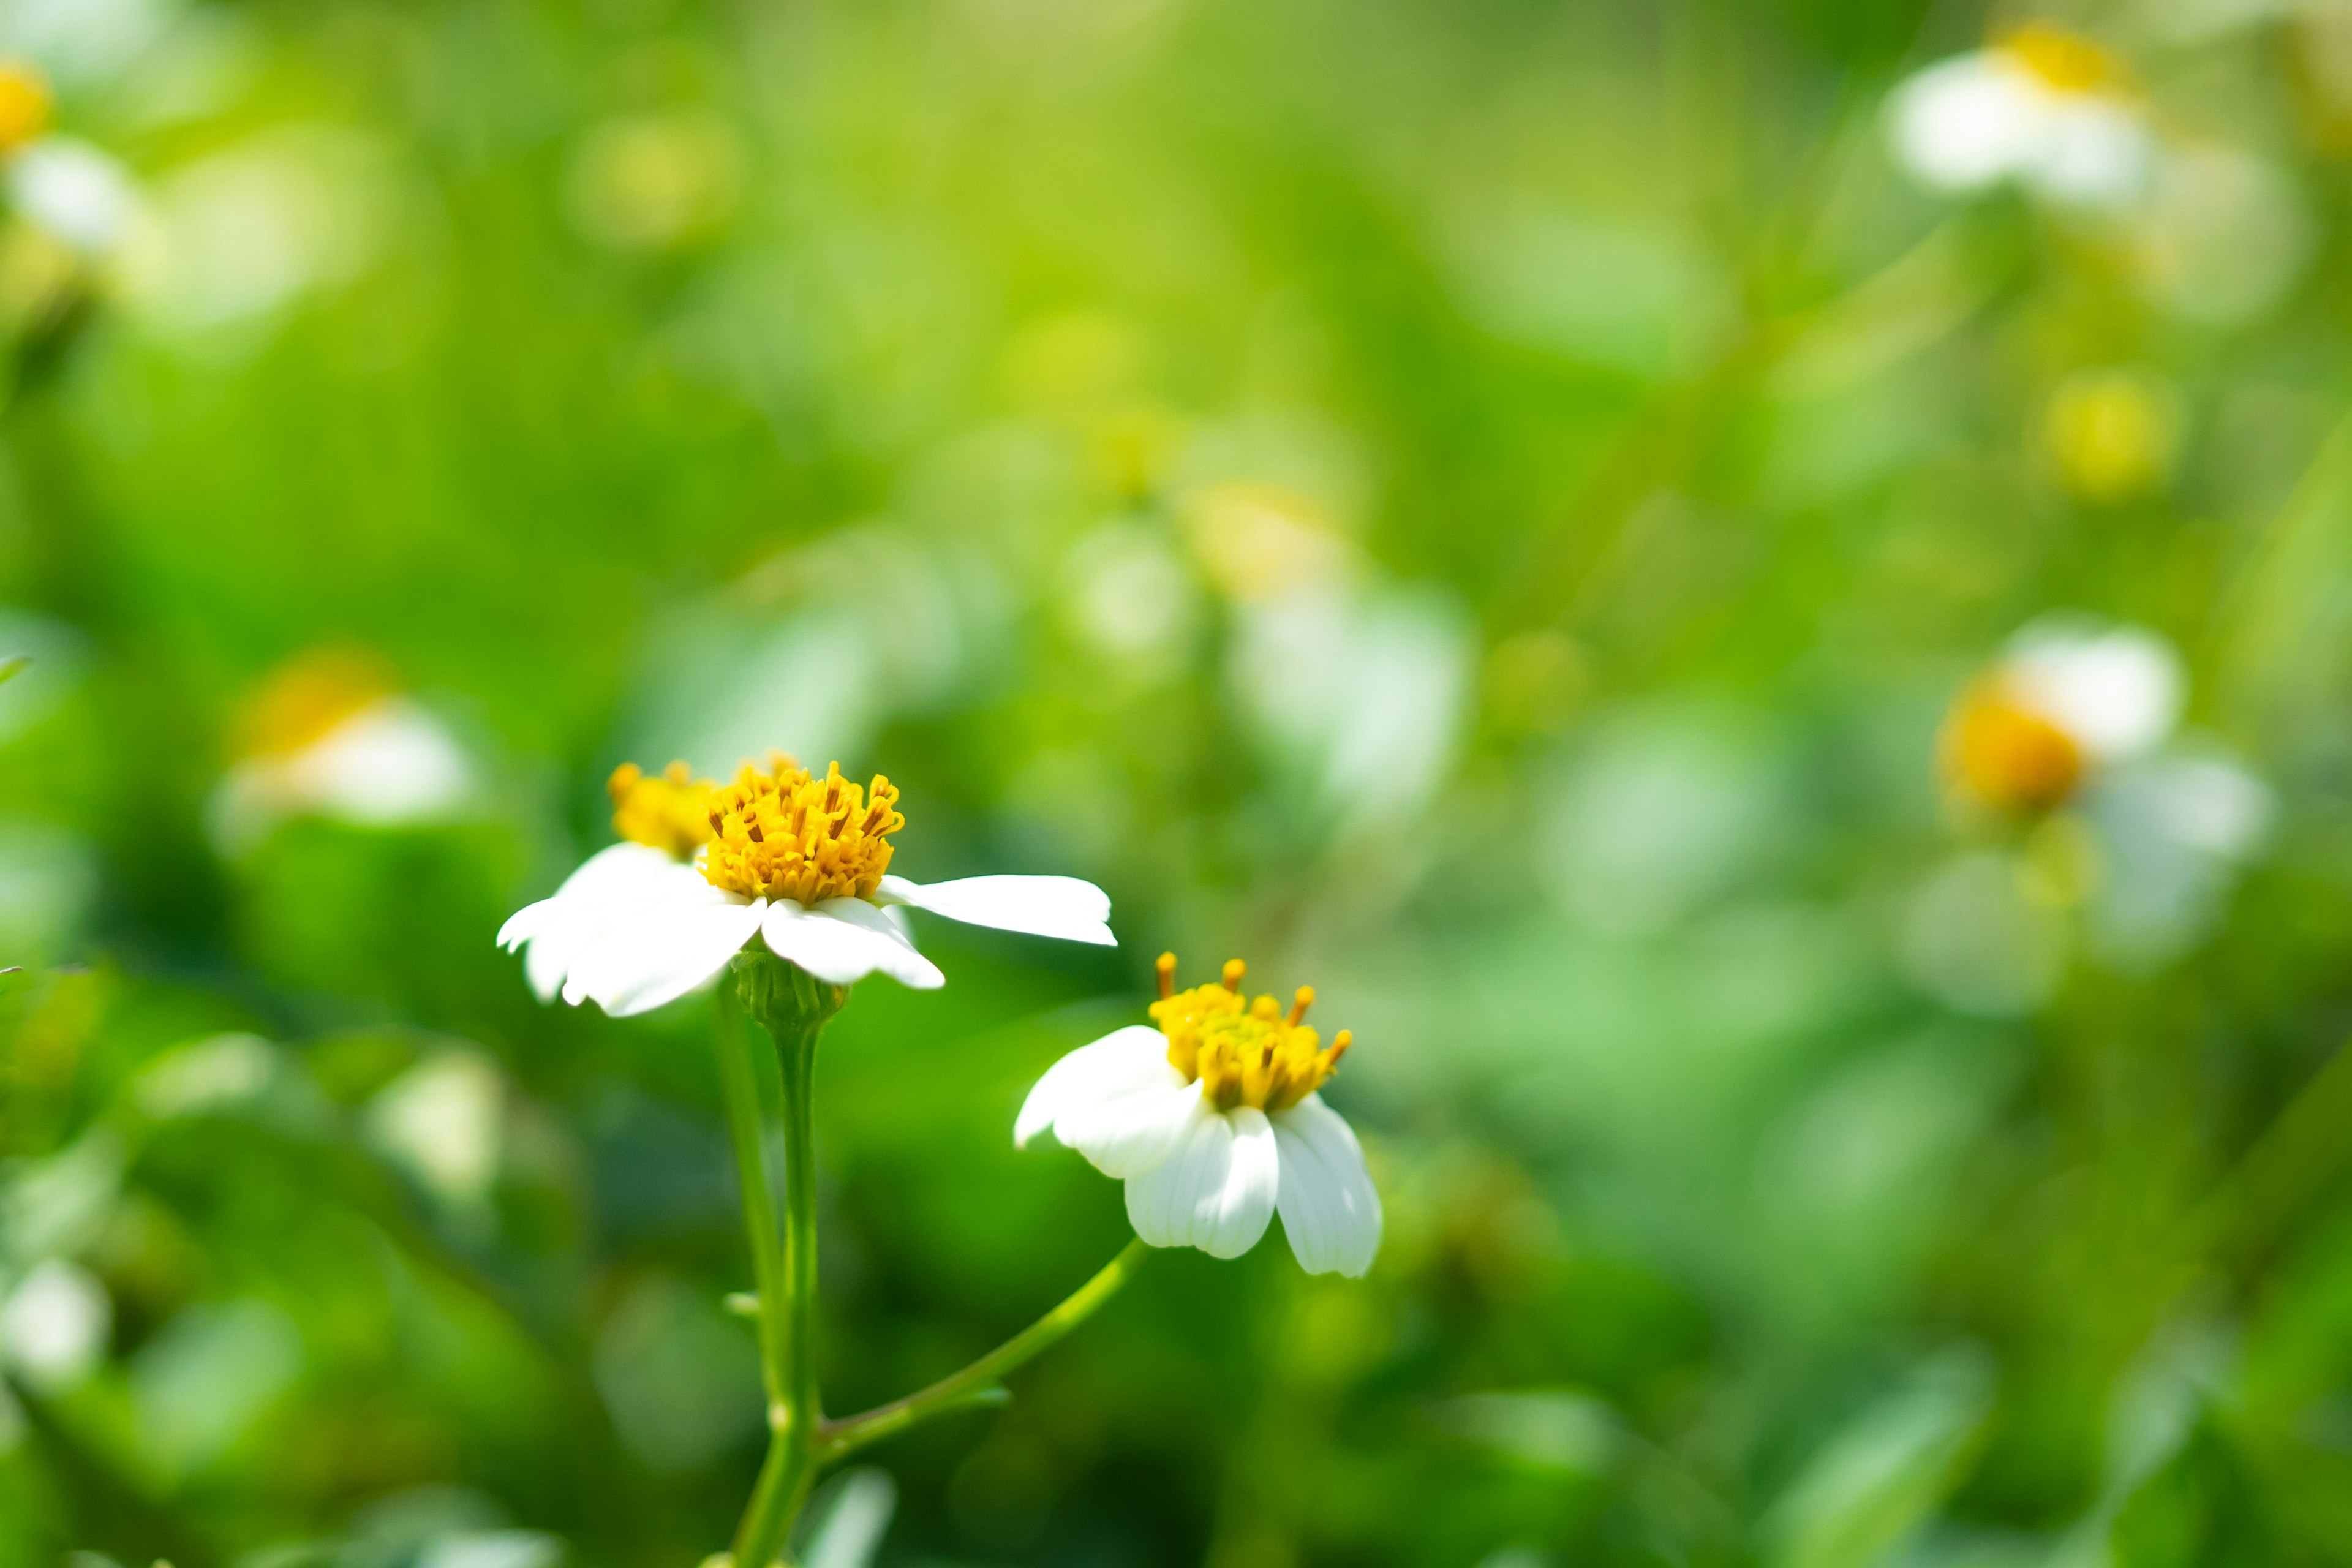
[(1480, 507)]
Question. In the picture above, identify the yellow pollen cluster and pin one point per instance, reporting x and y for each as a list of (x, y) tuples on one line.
[(671, 812), (304, 700), (785, 834), (1244, 1052), (1997, 748), (24, 105), (2066, 62)]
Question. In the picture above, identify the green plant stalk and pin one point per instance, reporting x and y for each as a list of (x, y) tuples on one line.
[(976, 1382), (793, 1008)]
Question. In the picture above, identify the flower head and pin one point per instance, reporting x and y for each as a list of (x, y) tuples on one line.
[(796, 861), (2066, 700), (2040, 106), (1213, 1122), (327, 734)]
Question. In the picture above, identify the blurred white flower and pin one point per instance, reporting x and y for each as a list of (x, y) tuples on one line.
[(1130, 596), (242, 233), (2042, 107), (794, 861), (326, 736), (442, 1119), (2077, 718), (65, 188), (54, 1325), (2067, 697), (1213, 1120), (205, 1075)]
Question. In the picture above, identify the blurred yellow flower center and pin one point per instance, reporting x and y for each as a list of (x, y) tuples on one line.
[(2000, 750), (785, 834), (671, 812), (24, 105), (307, 697), (2066, 62), (1242, 1052)]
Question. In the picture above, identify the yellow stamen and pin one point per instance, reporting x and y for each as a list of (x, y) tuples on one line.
[(671, 813), (1165, 972), (1244, 1052), (24, 105), (784, 833), (2066, 62), (2005, 752)]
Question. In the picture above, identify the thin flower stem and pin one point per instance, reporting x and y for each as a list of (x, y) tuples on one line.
[(976, 1381), (793, 1008)]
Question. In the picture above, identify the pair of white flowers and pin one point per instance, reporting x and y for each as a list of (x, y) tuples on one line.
[(2041, 108), (1212, 1118)]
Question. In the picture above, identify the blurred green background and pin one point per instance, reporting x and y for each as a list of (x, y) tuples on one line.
[(1477, 506)]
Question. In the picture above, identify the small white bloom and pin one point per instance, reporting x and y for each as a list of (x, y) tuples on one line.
[(2041, 108), (79, 195), (1214, 1123), (2069, 699), (797, 862), (443, 1119), (54, 1326), (326, 737)]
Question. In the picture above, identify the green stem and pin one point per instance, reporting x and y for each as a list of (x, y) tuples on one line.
[(739, 1061), (793, 1008), (976, 1381)]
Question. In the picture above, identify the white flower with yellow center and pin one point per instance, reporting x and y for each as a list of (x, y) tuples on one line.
[(1213, 1120), (2040, 107), (328, 736), (2066, 701), (782, 857), (69, 190)]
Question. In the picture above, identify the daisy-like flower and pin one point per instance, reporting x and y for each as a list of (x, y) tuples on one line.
[(327, 735), (69, 190), (2040, 106), (2065, 701), (1213, 1122), (782, 857)]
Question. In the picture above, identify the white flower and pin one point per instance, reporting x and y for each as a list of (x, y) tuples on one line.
[(78, 195), (2042, 107), (794, 861), (2068, 698), (1214, 1123), (54, 1325), (327, 739)]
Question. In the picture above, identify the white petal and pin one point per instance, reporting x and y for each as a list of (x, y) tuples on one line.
[(391, 763), (842, 941), (2097, 153), (2117, 691), (79, 195), (606, 887), (1967, 123), (1216, 1191), (1132, 1134), (658, 956), (1331, 1210), (1122, 1062), (1061, 906)]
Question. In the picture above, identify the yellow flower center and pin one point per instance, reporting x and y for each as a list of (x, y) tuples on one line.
[(786, 834), (1242, 1052), (304, 700), (24, 105), (2002, 750), (671, 812), (2066, 62)]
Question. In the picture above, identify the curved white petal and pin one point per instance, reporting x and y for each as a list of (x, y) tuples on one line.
[(1132, 1134), (677, 945), (1061, 906), (607, 886), (2117, 691), (2095, 152), (1331, 1210), (1122, 1062), (842, 941), (1968, 123), (1216, 1191)]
